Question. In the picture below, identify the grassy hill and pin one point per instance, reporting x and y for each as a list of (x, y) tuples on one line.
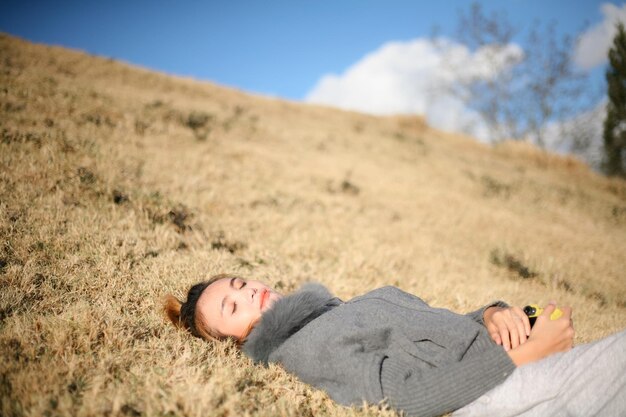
[(119, 185)]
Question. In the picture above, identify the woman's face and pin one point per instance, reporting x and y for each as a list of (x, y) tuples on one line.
[(231, 305)]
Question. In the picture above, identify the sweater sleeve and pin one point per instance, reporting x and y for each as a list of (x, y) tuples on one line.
[(436, 391), (477, 315)]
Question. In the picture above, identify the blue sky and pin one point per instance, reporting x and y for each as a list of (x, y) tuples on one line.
[(280, 48), (364, 55)]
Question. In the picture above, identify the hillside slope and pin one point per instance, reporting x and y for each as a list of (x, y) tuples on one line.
[(119, 185)]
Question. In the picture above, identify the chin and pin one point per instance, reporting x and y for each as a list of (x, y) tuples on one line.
[(271, 300)]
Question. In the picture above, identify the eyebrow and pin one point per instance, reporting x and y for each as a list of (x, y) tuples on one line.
[(232, 285)]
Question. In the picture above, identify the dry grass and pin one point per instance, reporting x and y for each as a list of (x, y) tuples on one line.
[(118, 185)]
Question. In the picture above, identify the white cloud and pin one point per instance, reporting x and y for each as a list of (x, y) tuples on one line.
[(413, 77), (594, 44)]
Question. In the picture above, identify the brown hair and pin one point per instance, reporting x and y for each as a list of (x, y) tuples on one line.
[(184, 315)]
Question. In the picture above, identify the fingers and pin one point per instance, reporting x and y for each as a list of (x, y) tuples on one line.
[(565, 321), (508, 328), (516, 327), (567, 312), (501, 326), (549, 309), (505, 336), (526, 321), (518, 318), (495, 335)]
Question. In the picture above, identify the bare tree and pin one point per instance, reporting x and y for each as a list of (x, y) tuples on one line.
[(521, 92), (488, 93)]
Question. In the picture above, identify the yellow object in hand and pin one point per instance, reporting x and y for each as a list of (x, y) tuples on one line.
[(533, 311)]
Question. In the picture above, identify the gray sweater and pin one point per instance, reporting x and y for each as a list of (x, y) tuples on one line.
[(386, 344)]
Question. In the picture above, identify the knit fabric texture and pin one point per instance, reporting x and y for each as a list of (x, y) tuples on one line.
[(384, 345)]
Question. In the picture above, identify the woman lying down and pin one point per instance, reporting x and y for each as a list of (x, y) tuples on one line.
[(390, 345)]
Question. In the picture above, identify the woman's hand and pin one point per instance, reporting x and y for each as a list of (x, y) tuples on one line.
[(547, 337), (508, 327)]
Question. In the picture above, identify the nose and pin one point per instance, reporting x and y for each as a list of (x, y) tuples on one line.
[(253, 292), (247, 295)]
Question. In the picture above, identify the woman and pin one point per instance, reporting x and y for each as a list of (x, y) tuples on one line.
[(390, 345)]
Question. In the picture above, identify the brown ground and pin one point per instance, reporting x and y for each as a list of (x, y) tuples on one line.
[(118, 185)]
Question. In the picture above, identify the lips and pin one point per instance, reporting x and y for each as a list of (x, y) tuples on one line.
[(264, 296)]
